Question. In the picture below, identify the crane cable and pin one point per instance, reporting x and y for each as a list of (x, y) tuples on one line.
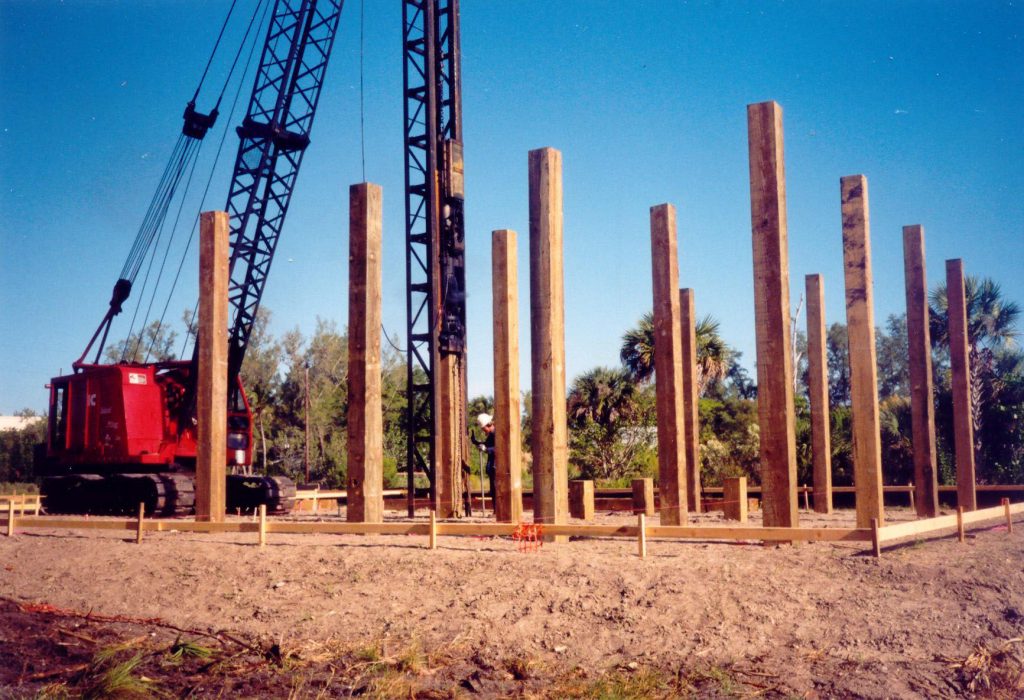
[(189, 323), (214, 52), (184, 157), (362, 108)]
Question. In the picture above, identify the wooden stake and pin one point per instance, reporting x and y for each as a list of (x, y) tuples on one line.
[(10, 519), (691, 398), (960, 364), (860, 325), (668, 369), (910, 492), (960, 523), (549, 437), (508, 467), (641, 522), (142, 513), (807, 497), (876, 540), (263, 524), (817, 372), (432, 535), (922, 399), (771, 314), (212, 382), (365, 415), (1009, 519)]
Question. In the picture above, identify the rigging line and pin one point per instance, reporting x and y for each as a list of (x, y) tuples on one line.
[(362, 109), (214, 52), (388, 338), (157, 212), (238, 54), (159, 217), (138, 243), (209, 181), (167, 252)]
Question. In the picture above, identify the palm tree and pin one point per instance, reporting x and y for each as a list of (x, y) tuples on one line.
[(991, 330), (609, 419), (713, 355), (991, 319), (602, 395)]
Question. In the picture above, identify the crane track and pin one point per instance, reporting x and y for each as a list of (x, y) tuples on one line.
[(166, 494)]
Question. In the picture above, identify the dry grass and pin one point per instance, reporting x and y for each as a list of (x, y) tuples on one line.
[(993, 670)]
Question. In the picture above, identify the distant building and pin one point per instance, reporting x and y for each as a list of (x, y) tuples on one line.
[(18, 422)]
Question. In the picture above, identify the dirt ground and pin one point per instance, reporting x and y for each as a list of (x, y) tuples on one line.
[(192, 615)]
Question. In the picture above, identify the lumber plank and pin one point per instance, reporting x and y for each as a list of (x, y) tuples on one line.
[(212, 382), (365, 434), (946, 522), (860, 326), (959, 361), (549, 436), (691, 396), (817, 373), (766, 534), (508, 467), (668, 366), (349, 528), (922, 394), (776, 415), (339, 493)]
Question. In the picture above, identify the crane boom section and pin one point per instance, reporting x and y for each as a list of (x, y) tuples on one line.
[(273, 137)]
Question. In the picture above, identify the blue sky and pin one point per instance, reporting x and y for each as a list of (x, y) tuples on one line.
[(646, 101)]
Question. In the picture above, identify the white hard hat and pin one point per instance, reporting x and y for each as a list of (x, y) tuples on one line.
[(484, 420)]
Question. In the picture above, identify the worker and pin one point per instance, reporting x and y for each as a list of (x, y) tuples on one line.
[(486, 423)]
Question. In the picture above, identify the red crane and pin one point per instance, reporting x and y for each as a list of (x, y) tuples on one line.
[(124, 433)]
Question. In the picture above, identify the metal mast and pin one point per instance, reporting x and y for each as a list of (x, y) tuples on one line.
[(273, 137), (435, 251)]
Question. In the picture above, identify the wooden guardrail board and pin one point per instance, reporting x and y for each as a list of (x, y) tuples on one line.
[(153, 525), (766, 534), (338, 493), (890, 533), (885, 534), (346, 528)]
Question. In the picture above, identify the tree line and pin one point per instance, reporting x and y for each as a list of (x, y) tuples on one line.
[(297, 390)]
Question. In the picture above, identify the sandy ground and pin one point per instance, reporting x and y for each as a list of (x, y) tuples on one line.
[(813, 620)]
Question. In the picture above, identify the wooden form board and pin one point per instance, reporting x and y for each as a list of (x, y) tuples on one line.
[(508, 462), (691, 392), (21, 503), (817, 374), (960, 364), (860, 326), (776, 415), (668, 365), (922, 394), (365, 479), (338, 494), (549, 435), (212, 382), (914, 528), (453, 528), (878, 537)]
